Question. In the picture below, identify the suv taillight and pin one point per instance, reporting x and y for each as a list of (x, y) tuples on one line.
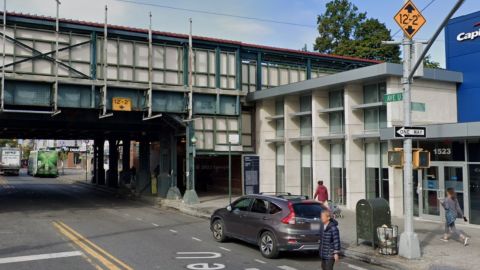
[(290, 218)]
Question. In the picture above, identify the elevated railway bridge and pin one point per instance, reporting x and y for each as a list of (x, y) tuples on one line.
[(107, 82)]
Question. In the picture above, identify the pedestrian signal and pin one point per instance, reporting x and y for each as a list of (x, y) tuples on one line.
[(421, 159), (395, 159)]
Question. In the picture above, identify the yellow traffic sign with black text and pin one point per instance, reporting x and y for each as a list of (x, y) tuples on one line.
[(410, 19)]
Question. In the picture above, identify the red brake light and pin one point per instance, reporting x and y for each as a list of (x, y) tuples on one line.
[(290, 218)]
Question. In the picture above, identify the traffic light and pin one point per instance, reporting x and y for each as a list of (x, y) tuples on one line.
[(421, 159), (395, 158)]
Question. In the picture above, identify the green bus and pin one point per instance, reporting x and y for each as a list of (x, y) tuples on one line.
[(43, 163)]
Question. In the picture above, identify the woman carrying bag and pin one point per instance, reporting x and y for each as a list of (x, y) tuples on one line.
[(452, 211)]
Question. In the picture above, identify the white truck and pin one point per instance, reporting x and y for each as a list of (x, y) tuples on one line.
[(10, 161)]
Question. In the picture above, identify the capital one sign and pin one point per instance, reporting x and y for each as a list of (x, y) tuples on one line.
[(464, 36)]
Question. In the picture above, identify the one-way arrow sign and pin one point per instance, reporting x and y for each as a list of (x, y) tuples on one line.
[(410, 132)]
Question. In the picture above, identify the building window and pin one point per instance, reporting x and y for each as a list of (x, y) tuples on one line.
[(306, 169), (249, 76), (228, 70), (335, 100), (374, 118), (338, 183), (247, 132), (376, 170), (276, 74), (280, 168), (279, 123), (306, 120)]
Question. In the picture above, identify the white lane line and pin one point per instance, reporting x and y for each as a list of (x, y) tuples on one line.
[(127, 215), (155, 224), (197, 239), (354, 266), (252, 269), (260, 261), (139, 219), (286, 267), (173, 231), (40, 257), (224, 248)]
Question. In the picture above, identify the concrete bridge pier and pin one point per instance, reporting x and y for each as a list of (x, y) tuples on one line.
[(99, 145), (143, 176), (112, 179)]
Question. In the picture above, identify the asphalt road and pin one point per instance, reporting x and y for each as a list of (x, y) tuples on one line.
[(53, 224)]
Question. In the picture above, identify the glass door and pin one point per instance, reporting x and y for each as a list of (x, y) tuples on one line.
[(435, 181)]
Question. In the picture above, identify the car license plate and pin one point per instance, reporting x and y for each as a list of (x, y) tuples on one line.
[(315, 226)]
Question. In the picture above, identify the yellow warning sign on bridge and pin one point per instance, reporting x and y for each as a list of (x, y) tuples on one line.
[(410, 19), (121, 104)]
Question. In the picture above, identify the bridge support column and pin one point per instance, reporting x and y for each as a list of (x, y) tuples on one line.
[(95, 164), (173, 192), (100, 176), (125, 176), (143, 179), (112, 180)]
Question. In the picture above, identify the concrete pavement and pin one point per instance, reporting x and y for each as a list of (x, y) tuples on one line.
[(56, 224)]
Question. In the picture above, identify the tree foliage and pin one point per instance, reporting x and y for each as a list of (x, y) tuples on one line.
[(343, 30), (429, 63), (8, 142)]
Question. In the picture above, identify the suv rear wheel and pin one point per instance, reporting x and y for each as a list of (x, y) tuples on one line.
[(268, 245), (218, 230)]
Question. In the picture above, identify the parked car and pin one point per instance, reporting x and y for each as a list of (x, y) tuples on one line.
[(273, 222)]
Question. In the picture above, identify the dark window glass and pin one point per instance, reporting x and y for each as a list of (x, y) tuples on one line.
[(474, 189), (259, 206), (307, 210), (445, 150), (473, 151), (242, 204), (273, 208)]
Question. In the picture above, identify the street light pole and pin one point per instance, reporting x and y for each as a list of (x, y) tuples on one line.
[(229, 172)]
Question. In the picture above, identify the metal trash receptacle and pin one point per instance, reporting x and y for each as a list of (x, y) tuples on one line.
[(388, 240), (371, 214)]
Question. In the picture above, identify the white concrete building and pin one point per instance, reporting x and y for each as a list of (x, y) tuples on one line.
[(328, 128)]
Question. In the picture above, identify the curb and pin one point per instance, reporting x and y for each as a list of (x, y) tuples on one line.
[(372, 260)]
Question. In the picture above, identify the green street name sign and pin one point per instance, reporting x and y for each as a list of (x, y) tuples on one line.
[(418, 107), (393, 97)]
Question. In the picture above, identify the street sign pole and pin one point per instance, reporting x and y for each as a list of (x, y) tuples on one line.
[(409, 243)]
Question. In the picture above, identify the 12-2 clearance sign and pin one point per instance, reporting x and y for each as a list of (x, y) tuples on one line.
[(410, 19)]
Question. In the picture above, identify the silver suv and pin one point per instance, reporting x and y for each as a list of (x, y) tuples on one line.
[(273, 222)]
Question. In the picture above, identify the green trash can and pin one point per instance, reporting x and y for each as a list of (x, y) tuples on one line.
[(371, 214)]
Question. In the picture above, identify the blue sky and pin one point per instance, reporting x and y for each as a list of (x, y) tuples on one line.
[(251, 31)]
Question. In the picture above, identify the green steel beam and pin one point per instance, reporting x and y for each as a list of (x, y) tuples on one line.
[(238, 61), (217, 67), (259, 71), (309, 68)]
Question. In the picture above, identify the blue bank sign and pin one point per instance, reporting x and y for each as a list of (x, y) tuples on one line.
[(462, 45), (469, 35)]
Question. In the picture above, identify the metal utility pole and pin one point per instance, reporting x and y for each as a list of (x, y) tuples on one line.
[(103, 102), (409, 243), (2, 94), (55, 86), (190, 196)]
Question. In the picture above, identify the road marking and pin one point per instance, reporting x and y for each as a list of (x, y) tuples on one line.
[(354, 266), (226, 249), (286, 267), (196, 239), (173, 231), (91, 248), (155, 224), (127, 215), (199, 255), (205, 266), (139, 219), (252, 269), (40, 257), (260, 261)]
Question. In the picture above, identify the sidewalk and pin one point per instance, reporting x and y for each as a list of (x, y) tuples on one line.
[(436, 255)]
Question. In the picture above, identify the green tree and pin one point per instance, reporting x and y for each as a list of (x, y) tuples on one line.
[(8, 142), (429, 63), (337, 25), (345, 31)]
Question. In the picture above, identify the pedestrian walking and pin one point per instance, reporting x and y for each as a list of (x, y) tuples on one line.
[(452, 211), (329, 248), (321, 194)]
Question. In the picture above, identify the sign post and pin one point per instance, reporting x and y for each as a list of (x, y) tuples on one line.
[(410, 20), (235, 139)]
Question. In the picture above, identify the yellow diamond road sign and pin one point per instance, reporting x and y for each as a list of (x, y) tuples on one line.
[(410, 19)]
